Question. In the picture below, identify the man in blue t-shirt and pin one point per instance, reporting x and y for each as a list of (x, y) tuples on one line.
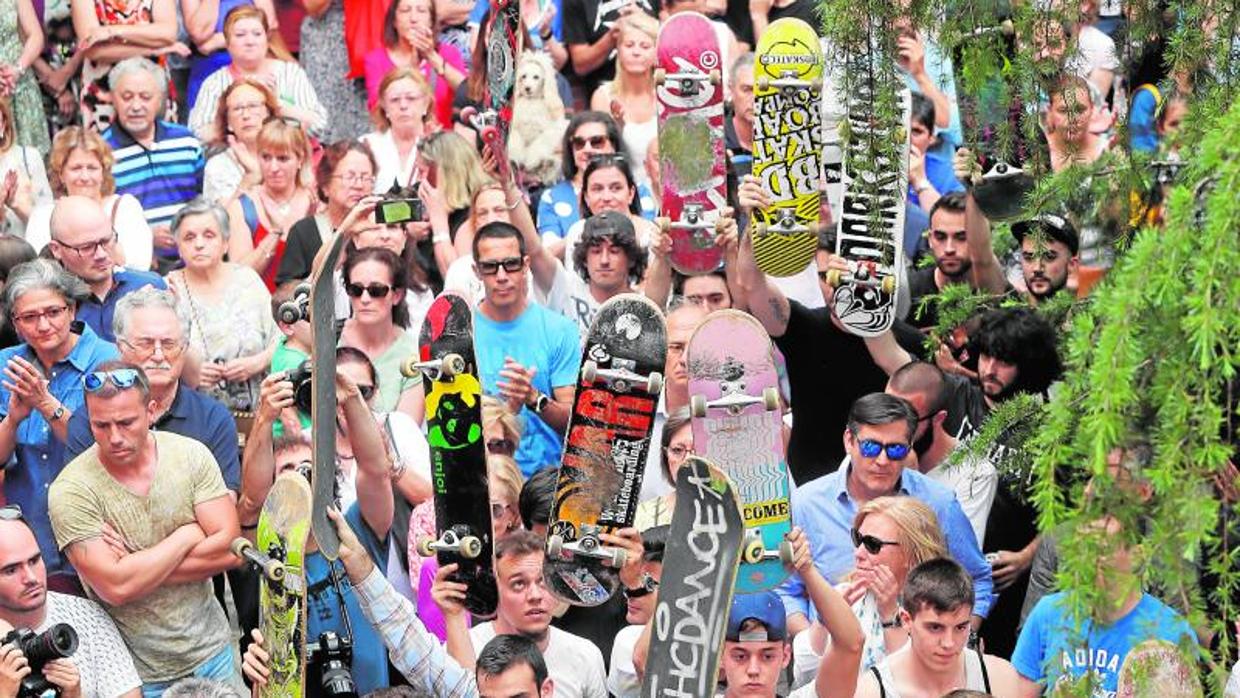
[(527, 354), (1050, 650)]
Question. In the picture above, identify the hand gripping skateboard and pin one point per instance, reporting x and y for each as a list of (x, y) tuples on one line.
[(449, 373), (737, 425), (494, 133), (787, 146), (279, 556), (605, 448), (692, 161), (695, 589), (870, 233), (323, 395)]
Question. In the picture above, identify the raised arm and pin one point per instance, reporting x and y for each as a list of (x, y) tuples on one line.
[(374, 464), (258, 463), (887, 352), (766, 303), (839, 665), (987, 272)]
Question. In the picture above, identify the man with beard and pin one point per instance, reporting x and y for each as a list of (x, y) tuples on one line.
[(953, 263), (1048, 257), (101, 666)]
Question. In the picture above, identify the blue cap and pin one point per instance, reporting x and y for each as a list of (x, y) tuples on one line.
[(764, 607)]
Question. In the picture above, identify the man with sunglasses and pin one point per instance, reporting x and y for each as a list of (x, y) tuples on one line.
[(84, 243), (880, 462), (147, 521), (101, 667)]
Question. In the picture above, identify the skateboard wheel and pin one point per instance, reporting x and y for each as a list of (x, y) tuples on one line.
[(240, 547), (451, 365), (888, 285), (834, 278), (471, 547), (274, 570), (660, 76), (619, 556), (715, 77), (301, 290), (654, 384), (697, 405), (589, 371), (424, 547), (664, 224), (289, 312), (753, 551), (770, 399), (409, 367), (763, 83), (759, 229), (785, 553), (555, 546)]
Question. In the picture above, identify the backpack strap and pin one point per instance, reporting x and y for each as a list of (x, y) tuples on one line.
[(981, 660), (882, 690)]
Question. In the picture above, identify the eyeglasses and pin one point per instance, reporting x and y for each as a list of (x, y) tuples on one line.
[(367, 392), (146, 346), (511, 265), (89, 248), (594, 141), (50, 314), (679, 452), (352, 178), (873, 544), (120, 377), (871, 448), (498, 509), (501, 447), (647, 587), (375, 291), (244, 107)]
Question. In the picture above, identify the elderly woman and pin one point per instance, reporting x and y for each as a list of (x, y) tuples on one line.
[(231, 327), (242, 109), (246, 33), (81, 165), (204, 22), (23, 181), (410, 41), (39, 298), (400, 113)]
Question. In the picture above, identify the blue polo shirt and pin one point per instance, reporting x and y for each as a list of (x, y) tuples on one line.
[(825, 510), (38, 457), (97, 313), (191, 414)]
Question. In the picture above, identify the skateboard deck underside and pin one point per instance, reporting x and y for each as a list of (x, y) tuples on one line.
[(787, 146), (696, 586), (1157, 668), (323, 397), (605, 449), (692, 159), (458, 452), (283, 529), (730, 355)]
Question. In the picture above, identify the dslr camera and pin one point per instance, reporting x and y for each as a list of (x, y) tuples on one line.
[(58, 641), (333, 656), (302, 389)]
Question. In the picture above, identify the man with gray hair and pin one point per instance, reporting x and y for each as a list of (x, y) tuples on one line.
[(83, 241), (159, 162)]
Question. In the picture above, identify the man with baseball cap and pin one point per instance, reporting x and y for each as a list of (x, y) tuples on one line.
[(1049, 246)]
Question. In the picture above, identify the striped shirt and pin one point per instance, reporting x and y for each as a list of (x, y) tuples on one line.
[(162, 178)]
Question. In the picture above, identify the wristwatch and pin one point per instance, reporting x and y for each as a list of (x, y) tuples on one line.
[(539, 404), (58, 413)]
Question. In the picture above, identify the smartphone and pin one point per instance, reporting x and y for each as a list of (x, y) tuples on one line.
[(396, 211)]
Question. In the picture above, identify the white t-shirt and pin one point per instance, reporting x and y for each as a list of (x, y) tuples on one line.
[(1095, 50), (622, 679), (1233, 684), (974, 482), (574, 663), (570, 296), (102, 659), (391, 169)]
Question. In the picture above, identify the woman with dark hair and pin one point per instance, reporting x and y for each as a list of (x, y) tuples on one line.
[(588, 134), (242, 109), (13, 251), (409, 41), (608, 185), (375, 280), (398, 240), (676, 445)]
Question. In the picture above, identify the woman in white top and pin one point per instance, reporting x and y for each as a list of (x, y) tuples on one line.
[(630, 97), (81, 165), (246, 34), (239, 116), (23, 181), (400, 114)]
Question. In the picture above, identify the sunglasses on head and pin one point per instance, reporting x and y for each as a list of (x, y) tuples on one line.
[(375, 291), (871, 448), (511, 265), (594, 141), (11, 512), (873, 544), (120, 377)]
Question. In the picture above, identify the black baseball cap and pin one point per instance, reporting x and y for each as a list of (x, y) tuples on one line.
[(1052, 226), (608, 224)]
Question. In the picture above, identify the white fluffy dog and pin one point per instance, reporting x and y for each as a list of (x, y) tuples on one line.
[(537, 130)]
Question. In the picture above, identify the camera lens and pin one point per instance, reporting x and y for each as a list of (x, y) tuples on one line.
[(337, 681), (58, 641)]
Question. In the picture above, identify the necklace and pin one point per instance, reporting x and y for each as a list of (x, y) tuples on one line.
[(281, 207)]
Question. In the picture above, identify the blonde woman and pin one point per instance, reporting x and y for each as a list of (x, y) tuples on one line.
[(891, 535), (23, 181), (451, 172), (402, 107), (630, 97)]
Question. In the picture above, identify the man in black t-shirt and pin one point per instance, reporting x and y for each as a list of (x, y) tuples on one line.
[(590, 32), (952, 263)]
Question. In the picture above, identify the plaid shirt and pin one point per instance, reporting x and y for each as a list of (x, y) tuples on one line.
[(414, 652)]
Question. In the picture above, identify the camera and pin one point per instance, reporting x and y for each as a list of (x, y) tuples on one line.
[(58, 641), (333, 655), (295, 308), (302, 388), (396, 210)]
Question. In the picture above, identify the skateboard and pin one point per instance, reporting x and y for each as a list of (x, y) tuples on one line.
[(608, 438), (738, 426), (787, 143), (323, 396), (1157, 668), (278, 554), (449, 371), (692, 160), (696, 586), (504, 42), (493, 133), (870, 232)]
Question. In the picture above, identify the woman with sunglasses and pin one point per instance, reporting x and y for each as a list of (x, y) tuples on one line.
[(890, 535), (231, 327), (243, 109), (400, 240), (608, 185), (260, 216)]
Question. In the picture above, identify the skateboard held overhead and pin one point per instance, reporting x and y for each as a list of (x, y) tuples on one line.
[(323, 395), (692, 159), (605, 448)]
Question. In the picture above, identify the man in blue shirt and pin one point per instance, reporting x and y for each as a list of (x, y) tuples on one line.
[(527, 354), (83, 241), (878, 441)]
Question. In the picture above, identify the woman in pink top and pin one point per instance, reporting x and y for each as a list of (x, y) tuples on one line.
[(410, 41)]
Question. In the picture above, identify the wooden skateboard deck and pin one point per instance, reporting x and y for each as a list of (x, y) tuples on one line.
[(692, 160), (738, 426), (787, 143), (323, 395), (695, 589), (278, 554), (449, 372), (1157, 669), (605, 449), (870, 232)]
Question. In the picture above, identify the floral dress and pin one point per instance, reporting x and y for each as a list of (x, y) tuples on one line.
[(325, 59), (28, 118)]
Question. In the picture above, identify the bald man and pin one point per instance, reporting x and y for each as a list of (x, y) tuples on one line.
[(101, 666), (84, 243)]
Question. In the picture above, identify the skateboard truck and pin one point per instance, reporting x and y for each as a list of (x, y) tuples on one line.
[(621, 380), (468, 547), (443, 368), (693, 217), (588, 545), (271, 567), (787, 83), (786, 224), (754, 550), (734, 402), (687, 83), (862, 274)]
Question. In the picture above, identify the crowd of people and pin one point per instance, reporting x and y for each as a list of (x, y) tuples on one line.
[(170, 170)]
